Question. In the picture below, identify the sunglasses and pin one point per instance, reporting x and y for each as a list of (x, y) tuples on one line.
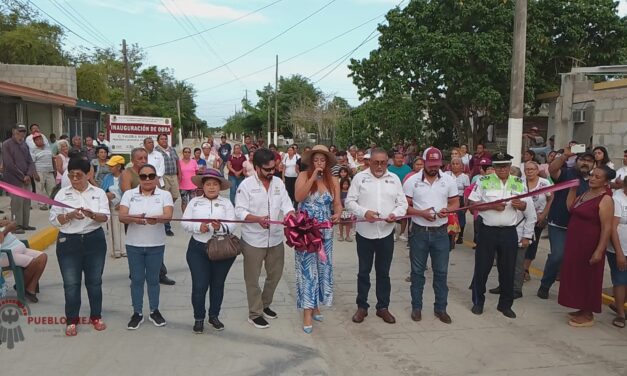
[(146, 177), (269, 169)]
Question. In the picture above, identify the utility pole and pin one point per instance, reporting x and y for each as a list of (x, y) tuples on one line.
[(269, 124), (127, 109), (517, 88), (178, 111), (276, 102)]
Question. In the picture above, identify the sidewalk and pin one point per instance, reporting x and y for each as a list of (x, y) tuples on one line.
[(538, 341)]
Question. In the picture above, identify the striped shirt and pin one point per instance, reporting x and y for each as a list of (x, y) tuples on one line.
[(171, 160)]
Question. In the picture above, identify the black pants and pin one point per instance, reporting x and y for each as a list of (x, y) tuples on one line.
[(502, 241), (379, 251), (290, 184)]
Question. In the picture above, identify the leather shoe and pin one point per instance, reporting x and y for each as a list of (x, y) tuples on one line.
[(477, 309), (444, 317), (386, 315), (29, 228), (166, 281), (496, 290), (517, 294), (360, 315), (507, 312), (416, 315)]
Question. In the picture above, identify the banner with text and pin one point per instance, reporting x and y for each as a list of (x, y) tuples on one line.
[(129, 132)]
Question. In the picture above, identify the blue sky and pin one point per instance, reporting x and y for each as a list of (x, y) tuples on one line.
[(149, 22)]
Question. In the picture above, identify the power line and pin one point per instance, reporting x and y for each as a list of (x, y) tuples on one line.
[(206, 43), (78, 22), (88, 23), (343, 58), (62, 25), (297, 55), (213, 27), (264, 43)]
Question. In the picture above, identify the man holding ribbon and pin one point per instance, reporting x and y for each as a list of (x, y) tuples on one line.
[(431, 196), (261, 198), (377, 196), (498, 232)]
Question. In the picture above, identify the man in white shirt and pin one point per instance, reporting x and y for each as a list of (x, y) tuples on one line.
[(620, 173), (375, 194), (42, 157), (430, 194), (260, 198), (155, 158), (101, 141)]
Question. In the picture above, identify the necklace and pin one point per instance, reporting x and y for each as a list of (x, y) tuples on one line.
[(584, 197)]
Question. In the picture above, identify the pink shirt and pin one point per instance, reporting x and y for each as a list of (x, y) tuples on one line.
[(188, 169)]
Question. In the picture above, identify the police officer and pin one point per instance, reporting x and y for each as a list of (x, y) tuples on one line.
[(498, 233)]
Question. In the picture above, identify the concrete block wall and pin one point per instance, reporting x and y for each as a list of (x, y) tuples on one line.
[(610, 122), (54, 79)]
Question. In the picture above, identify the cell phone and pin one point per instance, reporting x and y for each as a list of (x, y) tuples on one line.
[(578, 148)]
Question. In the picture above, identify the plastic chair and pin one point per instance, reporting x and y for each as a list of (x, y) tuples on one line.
[(18, 275)]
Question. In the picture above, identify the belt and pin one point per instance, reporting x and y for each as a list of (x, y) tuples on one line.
[(430, 228), (500, 227)]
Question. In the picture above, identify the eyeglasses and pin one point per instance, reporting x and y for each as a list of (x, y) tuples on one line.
[(379, 163), (269, 169), (76, 175), (146, 177)]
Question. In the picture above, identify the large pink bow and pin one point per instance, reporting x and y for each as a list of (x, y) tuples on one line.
[(304, 235)]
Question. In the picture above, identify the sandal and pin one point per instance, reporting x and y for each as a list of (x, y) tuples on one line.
[(619, 322), (527, 276), (70, 330), (580, 324), (98, 324), (613, 307)]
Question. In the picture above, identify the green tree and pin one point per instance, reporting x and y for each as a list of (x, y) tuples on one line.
[(452, 57), (26, 40)]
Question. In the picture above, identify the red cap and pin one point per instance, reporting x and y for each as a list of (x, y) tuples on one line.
[(36, 134), (433, 157)]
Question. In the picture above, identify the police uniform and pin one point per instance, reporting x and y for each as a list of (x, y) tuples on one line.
[(496, 235)]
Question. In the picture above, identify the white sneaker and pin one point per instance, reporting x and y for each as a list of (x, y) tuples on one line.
[(403, 238)]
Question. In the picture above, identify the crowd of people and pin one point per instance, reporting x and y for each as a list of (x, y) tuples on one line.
[(404, 194)]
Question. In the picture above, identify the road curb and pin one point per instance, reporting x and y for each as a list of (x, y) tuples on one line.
[(44, 238)]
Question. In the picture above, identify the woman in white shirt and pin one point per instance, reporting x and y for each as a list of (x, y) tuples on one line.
[(616, 254), (462, 180), (541, 203), (290, 171), (208, 274), (81, 243), (145, 209)]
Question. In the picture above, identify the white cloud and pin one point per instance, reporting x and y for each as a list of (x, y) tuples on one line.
[(622, 8), (132, 7), (202, 9)]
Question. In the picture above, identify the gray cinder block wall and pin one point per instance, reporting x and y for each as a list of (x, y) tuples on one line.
[(54, 79)]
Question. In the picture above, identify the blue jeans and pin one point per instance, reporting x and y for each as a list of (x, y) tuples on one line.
[(206, 275), (423, 243), (78, 254), (557, 238), (144, 264), (235, 182)]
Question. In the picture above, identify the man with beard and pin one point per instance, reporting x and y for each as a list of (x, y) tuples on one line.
[(558, 214), (260, 198), (497, 234), (430, 194), (375, 194)]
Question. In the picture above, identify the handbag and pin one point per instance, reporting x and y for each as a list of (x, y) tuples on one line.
[(222, 247)]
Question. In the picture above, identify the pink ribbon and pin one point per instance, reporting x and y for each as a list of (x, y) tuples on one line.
[(303, 233)]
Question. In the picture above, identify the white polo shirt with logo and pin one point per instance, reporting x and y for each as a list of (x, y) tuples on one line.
[(425, 195), (137, 203)]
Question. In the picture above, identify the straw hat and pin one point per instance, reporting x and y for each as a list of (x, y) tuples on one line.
[(322, 150), (211, 173)]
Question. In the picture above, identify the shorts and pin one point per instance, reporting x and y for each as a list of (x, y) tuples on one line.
[(346, 215), (618, 278), (187, 195), (171, 184)]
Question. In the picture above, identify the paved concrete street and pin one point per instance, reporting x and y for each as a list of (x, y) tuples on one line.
[(538, 342)]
